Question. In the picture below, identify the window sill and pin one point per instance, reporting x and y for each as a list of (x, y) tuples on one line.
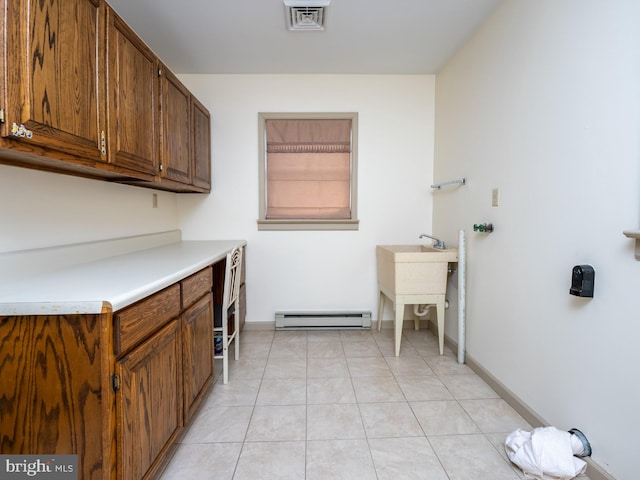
[(292, 225)]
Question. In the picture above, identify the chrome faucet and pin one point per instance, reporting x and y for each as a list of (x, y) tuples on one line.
[(436, 243)]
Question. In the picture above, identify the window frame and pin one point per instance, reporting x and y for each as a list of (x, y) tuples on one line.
[(302, 223)]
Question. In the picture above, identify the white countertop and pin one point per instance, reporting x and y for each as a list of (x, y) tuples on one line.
[(108, 283)]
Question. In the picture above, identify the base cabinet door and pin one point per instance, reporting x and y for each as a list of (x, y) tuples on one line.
[(197, 352), (149, 402)]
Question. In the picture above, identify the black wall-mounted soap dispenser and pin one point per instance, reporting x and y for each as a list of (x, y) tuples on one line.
[(582, 280)]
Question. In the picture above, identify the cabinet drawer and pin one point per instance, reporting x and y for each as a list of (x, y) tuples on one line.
[(196, 286), (138, 321)]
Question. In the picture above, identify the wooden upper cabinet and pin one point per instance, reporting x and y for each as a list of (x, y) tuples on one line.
[(82, 94), (132, 83), (176, 128), (201, 145), (186, 136), (54, 91)]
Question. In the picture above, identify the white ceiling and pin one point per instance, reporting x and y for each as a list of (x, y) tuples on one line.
[(250, 36)]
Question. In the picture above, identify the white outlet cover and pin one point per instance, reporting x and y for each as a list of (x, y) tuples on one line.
[(495, 197)]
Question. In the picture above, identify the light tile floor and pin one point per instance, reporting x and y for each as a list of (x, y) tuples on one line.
[(337, 405)]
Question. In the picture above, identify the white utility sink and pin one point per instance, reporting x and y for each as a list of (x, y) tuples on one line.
[(414, 269), (410, 275)]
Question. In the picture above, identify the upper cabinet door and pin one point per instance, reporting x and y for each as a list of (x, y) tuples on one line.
[(54, 93), (132, 83), (201, 146), (176, 144)]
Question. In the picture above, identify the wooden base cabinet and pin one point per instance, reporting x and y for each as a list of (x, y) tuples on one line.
[(149, 401), (117, 389), (55, 392), (197, 353)]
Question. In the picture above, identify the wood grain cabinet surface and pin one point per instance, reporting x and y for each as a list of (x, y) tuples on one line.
[(134, 110), (176, 129), (136, 322), (55, 390), (197, 335), (197, 353), (55, 91), (186, 137), (82, 94), (149, 402), (201, 145), (117, 389)]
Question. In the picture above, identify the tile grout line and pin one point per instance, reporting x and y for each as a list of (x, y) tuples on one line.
[(396, 373), (426, 437), (253, 410)]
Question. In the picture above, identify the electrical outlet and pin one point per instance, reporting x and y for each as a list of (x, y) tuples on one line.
[(154, 200), (495, 197)]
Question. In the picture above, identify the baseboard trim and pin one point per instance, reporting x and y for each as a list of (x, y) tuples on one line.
[(259, 326), (594, 470)]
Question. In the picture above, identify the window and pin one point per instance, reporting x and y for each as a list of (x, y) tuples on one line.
[(308, 171)]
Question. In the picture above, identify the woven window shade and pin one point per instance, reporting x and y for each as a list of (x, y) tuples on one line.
[(308, 169)]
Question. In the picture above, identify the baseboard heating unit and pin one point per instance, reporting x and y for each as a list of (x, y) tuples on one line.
[(322, 320)]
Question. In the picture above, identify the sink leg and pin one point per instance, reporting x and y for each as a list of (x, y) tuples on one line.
[(380, 308), (398, 326), (440, 312)]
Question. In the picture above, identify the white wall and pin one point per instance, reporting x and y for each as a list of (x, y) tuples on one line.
[(41, 209), (316, 270), (544, 103)]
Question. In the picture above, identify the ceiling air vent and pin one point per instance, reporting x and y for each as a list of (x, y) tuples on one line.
[(306, 14)]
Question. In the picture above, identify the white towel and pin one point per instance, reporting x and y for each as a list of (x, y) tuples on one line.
[(544, 454)]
